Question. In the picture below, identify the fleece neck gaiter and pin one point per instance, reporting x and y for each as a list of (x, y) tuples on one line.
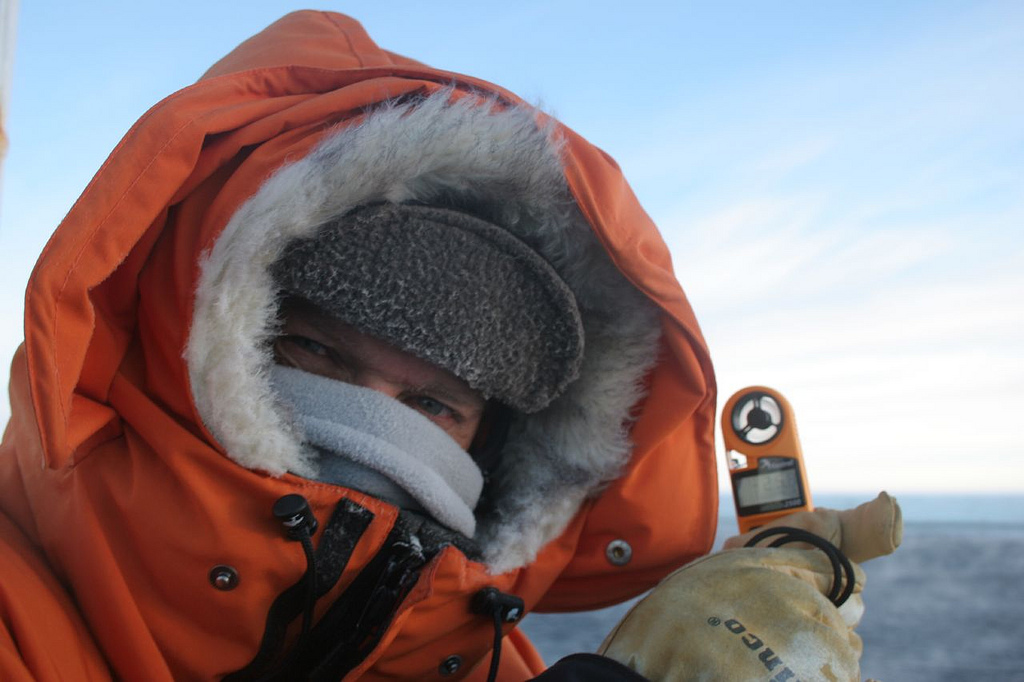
[(371, 442)]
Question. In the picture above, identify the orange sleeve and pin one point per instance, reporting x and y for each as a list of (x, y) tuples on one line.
[(42, 635)]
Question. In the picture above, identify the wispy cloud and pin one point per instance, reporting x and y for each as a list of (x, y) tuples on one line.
[(892, 344), (852, 233)]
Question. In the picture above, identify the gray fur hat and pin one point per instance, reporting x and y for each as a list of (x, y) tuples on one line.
[(449, 288)]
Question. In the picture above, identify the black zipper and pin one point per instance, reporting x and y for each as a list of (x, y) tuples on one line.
[(357, 621)]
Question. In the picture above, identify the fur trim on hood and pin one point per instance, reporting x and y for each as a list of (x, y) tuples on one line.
[(482, 158)]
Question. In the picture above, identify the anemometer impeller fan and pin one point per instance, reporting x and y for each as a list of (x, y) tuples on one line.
[(757, 418)]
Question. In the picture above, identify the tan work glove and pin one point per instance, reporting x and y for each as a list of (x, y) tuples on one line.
[(759, 613), (871, 530), (743, 614)]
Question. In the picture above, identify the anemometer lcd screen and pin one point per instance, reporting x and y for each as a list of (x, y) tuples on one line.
[(769, 488)]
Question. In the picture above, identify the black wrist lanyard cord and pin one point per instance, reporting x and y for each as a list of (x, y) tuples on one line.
[(842, 569)]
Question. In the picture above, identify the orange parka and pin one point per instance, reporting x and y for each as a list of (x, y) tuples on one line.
[(118, 503)]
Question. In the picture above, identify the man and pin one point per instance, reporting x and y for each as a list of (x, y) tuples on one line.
[(339, 366), (152, 436)]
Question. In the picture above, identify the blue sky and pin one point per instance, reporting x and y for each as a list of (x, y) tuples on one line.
[(841, 184)]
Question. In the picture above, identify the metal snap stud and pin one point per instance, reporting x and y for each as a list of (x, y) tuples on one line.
[(450, 665), (224, 577), (618, 552)]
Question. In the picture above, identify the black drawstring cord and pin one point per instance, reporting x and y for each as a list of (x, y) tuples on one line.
[(503, 608), (841, 566), (492, 673), (307, 613), (299, 523)]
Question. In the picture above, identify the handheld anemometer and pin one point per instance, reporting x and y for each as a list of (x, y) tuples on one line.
[(766, 464)]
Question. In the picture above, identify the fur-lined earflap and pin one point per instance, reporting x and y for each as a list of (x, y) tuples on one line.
[(480, 158)]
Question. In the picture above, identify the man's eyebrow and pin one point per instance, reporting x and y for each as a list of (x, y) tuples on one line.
[(447, 388), (464, 395)]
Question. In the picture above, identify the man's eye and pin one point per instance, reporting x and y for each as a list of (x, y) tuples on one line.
[(429, 406), (307, 344)]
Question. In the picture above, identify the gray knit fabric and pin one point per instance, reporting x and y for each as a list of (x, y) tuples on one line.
[(449, 288)]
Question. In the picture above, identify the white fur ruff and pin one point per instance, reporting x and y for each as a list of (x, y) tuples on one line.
[(477, 157)]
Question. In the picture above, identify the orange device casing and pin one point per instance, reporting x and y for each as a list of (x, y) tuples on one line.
[(766, 464)]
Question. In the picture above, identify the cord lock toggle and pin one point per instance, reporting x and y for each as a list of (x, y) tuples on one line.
[(490, 601), (295, 514)]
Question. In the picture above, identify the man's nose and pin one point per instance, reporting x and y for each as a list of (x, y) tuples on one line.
[(379, 384)]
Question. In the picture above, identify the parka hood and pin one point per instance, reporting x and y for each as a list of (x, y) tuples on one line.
[(144, 429), (481, 157)]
